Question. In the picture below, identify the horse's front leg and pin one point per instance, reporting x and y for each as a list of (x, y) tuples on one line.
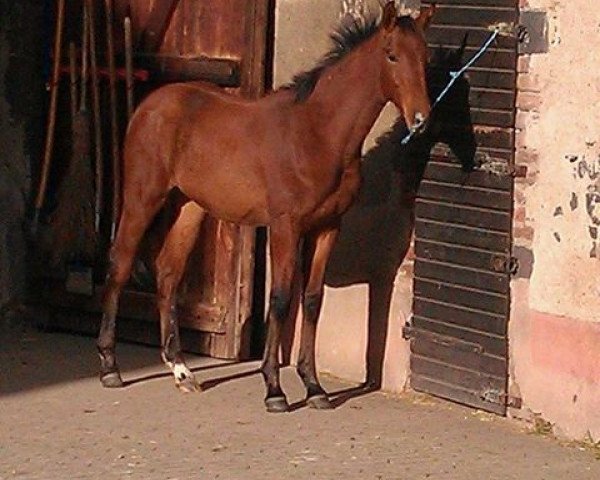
[(283, 241), (316, 252)]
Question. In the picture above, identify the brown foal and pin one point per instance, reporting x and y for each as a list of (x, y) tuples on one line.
[(290, 161)]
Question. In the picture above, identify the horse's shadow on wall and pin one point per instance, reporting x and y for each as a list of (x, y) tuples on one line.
[(376, 232)]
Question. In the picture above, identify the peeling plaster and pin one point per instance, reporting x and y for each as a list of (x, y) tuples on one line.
[(574, 203), (586, 171), (566, 137), (558, 211), (555, 321)]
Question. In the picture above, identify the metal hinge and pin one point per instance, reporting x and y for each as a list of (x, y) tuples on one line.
[(532, 32), (502, 264), (408, 331), (493, 395)]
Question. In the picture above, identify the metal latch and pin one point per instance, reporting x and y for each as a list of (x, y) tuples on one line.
[(407, 330), (531, 32), (502, 169), (493, 395)]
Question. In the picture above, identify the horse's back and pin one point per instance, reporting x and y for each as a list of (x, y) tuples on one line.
[(203, 141), (152, 127)]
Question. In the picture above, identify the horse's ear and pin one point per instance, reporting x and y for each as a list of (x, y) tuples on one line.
[(424, 18), (388, 19), (461, 50)]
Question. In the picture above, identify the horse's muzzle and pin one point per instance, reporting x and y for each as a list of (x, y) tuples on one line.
[(419, 125)]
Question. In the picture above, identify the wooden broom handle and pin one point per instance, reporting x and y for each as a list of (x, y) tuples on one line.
[(99, 161), (51, 124), (112, 78)]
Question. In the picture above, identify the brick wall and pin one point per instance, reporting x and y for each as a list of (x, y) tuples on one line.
[(526, 157)]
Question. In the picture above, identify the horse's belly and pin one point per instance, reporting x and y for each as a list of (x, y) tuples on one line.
[(233, 201), (335, 204)]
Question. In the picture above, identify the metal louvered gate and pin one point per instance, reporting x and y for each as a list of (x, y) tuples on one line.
[(463, 227)]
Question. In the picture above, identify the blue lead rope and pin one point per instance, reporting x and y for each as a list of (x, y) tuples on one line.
[(454, 76)]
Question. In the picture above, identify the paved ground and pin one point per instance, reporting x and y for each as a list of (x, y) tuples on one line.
[(56, 422)]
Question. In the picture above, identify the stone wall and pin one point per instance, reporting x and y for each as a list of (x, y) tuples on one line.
[(22, 110)]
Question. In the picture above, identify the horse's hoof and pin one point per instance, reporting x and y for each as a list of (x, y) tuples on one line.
[(111, 380), (188, 385), (319, 402), (277, 405)]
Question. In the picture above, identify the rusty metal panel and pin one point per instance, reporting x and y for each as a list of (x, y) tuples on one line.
[(461, 302), (211, 28)]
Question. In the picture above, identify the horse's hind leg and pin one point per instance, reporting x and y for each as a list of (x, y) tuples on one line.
[(317, 249), (137, 215), (170, 266), (283, 242)]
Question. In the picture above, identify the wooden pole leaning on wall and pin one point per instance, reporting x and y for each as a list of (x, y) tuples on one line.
[(51, 123), (74, 238), (73, 80), (81, 158), (114, 127), (128, 66), (99, 157), (85, 58)]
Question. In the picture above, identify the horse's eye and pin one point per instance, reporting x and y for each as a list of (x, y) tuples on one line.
[(392, 58)]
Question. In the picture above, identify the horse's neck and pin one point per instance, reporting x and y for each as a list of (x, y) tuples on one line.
[(347, 100)]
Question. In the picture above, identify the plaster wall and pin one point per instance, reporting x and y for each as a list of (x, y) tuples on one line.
[(554, 329), (565, 199)]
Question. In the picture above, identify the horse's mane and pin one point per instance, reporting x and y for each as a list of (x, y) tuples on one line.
[(352, 32)]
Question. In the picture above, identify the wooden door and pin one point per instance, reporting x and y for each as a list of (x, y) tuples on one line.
[(224, 42), (463, 227)]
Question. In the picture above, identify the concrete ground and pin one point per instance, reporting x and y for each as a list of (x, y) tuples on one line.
[(56, 422)]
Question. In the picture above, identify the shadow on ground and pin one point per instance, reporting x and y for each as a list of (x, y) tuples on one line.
[(33, 359)]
